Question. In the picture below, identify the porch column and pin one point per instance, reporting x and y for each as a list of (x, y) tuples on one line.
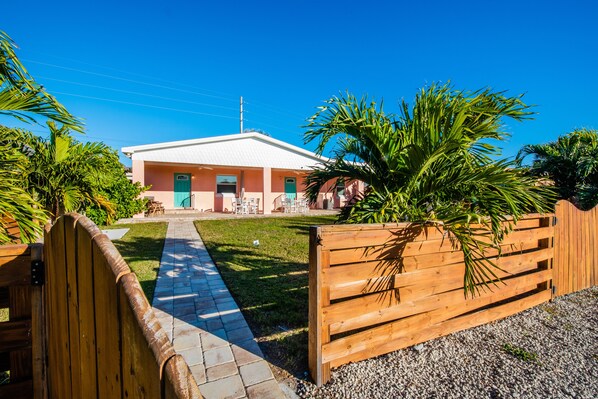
[(267, 190), (138, 171)]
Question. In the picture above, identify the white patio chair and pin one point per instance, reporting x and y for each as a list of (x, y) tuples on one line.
[(237, 204), (283, 204), (254, 205), (303, 206)]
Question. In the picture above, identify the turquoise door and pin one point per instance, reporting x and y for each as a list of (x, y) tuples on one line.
[(290, 187), (182, 190)]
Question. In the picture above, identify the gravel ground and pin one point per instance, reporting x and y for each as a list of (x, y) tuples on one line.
[(563, 335)]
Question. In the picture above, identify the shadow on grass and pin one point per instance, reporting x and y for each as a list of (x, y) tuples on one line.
[(142, 249), (269, 282)]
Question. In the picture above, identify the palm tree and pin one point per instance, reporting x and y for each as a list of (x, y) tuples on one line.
[(26, 101), (66, 175), (15, 202), (571, 162), (432, 164), (21, 97)]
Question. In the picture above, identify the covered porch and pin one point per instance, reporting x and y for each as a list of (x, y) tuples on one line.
[(212, 188)]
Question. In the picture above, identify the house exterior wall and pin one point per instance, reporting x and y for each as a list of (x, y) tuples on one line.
[(203, 186)]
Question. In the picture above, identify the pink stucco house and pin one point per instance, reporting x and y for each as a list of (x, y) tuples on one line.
[(205, 174)]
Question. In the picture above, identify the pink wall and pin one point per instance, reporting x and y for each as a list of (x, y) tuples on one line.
[(203, 185)]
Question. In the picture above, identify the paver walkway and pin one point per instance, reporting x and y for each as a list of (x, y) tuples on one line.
[(204, 322)]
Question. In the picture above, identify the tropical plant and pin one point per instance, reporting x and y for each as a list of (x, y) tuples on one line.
[(123, 194), (571, 162), (431, 165), (15, 202), (24, 100), (65, 175)]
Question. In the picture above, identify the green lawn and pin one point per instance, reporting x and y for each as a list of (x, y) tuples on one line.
[(142, 248), (269, 281)]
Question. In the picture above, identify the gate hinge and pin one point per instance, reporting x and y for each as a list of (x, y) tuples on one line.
[(554, 220), (38, 273)]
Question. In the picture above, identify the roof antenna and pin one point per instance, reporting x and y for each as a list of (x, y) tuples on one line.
[(241, 114)]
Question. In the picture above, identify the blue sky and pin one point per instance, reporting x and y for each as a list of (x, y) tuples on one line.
[(152, 71)]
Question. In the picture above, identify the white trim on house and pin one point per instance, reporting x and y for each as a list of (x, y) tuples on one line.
[(244, 150)]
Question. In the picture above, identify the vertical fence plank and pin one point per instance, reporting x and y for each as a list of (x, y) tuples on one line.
[(38, 327), (142, 364), (20, 309), (594, 231), (59, 381), (109, 267), (71, 256), (325, 297), (85, 231)]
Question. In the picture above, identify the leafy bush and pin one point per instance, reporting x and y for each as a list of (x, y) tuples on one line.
[(571, 163), (123, 194)]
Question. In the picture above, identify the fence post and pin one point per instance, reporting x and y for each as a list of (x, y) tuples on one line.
[(547, 264), (318, 298), (38, 336)]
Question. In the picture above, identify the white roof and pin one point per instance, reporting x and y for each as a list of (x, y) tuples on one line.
[(245, 149)]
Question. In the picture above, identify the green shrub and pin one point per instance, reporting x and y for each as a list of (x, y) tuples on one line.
[(124, 196)]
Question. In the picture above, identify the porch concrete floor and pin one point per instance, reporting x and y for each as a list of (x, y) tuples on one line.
[(218, 215)]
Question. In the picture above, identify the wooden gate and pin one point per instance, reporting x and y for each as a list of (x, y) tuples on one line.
[(576, 248), (103, 338), (21, 348), (89, 331)]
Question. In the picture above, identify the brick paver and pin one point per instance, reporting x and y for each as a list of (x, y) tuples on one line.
[(205, 324)]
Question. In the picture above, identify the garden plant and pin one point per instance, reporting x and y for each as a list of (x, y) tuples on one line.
[(433, 164)]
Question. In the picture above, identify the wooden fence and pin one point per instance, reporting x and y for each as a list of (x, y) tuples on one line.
[(11, 228), (21, 351), (378, 288), (576, 248), (102, 337)]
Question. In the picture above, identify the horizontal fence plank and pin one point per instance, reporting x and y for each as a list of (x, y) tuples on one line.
[(353, 280), (378, 308), (443, 253), (15, 270), (353, 272), (425, 331), (526, 221), (340, 239), (14, 250), (15, 335), (370, 238)]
